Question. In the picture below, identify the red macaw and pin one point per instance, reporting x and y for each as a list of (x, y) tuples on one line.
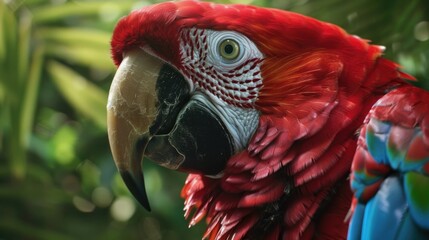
[(262, 107)]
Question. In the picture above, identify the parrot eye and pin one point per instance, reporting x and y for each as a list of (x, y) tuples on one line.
[(229, 49)]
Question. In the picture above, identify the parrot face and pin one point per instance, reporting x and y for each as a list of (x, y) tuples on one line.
[(261, 106), (191, 115)]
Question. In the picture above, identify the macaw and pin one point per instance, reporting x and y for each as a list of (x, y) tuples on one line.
[(263, 109)]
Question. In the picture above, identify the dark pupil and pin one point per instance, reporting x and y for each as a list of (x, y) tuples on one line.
[(229, 49)]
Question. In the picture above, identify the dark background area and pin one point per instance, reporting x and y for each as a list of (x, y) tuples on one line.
[(57, 177)]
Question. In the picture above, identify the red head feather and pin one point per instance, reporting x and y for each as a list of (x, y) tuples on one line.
[(318, 57)]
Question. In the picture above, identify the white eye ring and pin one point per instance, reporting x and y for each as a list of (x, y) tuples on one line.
[(228, 48), (229, 59)]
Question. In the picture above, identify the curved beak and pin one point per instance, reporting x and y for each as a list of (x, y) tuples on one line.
[(131, 108), (151, 113)]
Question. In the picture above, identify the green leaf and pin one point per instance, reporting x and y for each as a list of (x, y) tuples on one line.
[(29, 101), (12, 72), (53, 13), (82, 55), (8, 45), (76, 36), (24, 45), (2, 31), (84, 96)]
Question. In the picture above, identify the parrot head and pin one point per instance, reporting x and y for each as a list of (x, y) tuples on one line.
[(195, 78)]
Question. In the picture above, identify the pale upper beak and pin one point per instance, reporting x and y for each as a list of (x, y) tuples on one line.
[(131, 109)]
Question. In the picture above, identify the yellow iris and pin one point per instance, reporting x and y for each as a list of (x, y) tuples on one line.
[(229, 49)]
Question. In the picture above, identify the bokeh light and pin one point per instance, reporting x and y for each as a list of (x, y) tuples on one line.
[(83, 205), (102, 197), (421, 31), (123, 208)]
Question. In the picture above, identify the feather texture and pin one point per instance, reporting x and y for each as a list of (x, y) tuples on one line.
[(319, 83), (390, 176)]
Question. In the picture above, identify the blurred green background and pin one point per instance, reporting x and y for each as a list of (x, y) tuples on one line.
[(57, 177)]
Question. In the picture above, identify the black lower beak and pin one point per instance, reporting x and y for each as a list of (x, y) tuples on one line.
[(135, 184)]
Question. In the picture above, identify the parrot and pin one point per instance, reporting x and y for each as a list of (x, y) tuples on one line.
[(288, 127)]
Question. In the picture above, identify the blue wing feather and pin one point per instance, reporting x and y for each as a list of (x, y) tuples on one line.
[(383, 211), (386, 216), (390, 173), (356, 223)]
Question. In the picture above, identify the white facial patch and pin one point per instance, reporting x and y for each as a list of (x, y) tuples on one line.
[(233, 81), (225, 66)]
